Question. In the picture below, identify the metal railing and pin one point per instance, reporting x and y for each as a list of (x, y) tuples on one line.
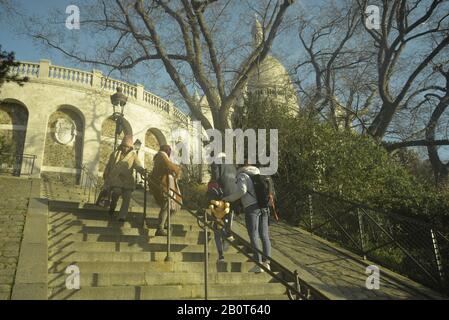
[(17, 164), (405, 245), (296, 287), (89, 184)]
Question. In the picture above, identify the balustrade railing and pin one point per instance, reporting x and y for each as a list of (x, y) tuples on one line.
[(26, 69), (45, 70), (156, 101), (112, 85), (68, 74)]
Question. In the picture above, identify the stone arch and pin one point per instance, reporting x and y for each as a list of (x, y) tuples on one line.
[(13, 123), (63, 151), (154, 138), (13, 127), (108, 137)]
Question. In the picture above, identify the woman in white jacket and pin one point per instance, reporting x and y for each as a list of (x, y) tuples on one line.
[(256, 218)]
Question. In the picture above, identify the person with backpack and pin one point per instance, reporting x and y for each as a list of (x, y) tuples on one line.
[(253, 190)]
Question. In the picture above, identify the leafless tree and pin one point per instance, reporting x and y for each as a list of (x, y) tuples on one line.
[(340, 89), (186, 38), (412, 35), (441, 97)]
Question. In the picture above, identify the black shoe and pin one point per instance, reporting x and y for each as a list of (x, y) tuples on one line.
[(121, 220), (161, 232)]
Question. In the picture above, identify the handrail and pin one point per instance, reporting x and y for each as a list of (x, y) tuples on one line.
[(300, 290), (22, 164), (366, 230), (367, 207), (89, 182)]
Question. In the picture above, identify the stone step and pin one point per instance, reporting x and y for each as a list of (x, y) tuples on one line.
[(123, 267), (112, 231), (55, 192), (89, 219), (162, 292), (157, 278), (177, 229), (105, 231), (82, 246), (92, 256), (152, 222), (189, 238), (58, 191)]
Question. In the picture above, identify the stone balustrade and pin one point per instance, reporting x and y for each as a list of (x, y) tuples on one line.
[(95, 79)]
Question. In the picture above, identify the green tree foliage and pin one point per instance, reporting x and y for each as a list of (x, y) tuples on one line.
[(315, 156), (7, 61)]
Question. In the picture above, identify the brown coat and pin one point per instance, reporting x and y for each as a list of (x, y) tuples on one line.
[(163, 166), (119, 172)]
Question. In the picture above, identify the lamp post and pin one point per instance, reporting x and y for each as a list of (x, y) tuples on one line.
[(137, 145), (118, 99)]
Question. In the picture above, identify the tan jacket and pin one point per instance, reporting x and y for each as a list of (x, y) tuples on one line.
[(119, 173), (163, 166)]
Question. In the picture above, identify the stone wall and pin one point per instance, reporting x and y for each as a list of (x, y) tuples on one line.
[(63, 155), (13, 115), (67, 179), (107, 140), (14, 197), (46, 94), (151, 142)]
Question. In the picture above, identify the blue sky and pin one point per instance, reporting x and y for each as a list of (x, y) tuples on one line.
[(26, 50), (11, 40)]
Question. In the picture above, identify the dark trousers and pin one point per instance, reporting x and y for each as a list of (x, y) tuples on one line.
[(222, 233), (126, 199)]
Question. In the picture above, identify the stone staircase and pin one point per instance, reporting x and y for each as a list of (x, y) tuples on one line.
[(126, 261)]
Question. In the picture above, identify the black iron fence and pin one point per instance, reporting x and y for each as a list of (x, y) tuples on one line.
[(17, 164), (411, 247), (89, 184)]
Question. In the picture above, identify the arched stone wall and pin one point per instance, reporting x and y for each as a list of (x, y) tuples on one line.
[(107, 139), (63, 151), (90, 92), (13, 125), (154, 138)]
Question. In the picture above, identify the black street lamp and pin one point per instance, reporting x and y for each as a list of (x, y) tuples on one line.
[(118, 99)]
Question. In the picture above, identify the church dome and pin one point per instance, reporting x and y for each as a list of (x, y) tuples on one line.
[(269, 74), (270, 78)]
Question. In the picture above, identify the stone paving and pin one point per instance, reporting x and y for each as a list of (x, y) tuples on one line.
[(341, 272), (14, 196)]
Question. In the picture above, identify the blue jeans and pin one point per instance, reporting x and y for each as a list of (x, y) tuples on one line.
[(257, 226)]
